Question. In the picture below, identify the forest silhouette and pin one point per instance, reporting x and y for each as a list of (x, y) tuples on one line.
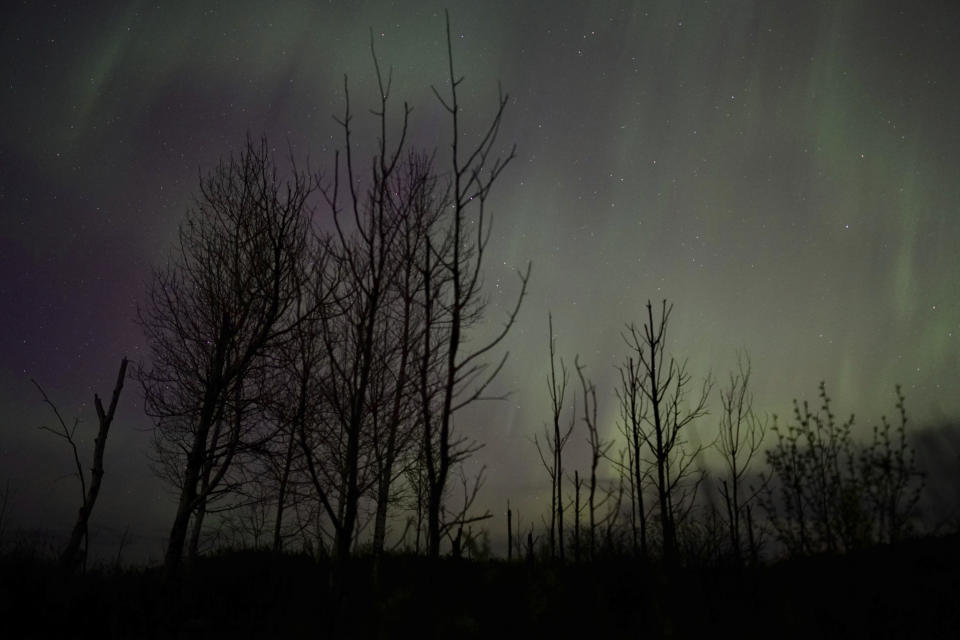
[(313, 338)]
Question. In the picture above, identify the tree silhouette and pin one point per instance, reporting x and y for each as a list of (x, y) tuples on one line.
[(740, 439), (555, 438), (339, 457), (453, 302), (665, 385), (599, 448), (632, 415), (72, 554), (297, 401), (421, 200), (832, 494), (227, 295), (890, 477)]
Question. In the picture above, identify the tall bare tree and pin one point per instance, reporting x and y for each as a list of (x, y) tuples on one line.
[(665, 386), (599, 448), (555, 438), (741, 436), (226, 296), (632, 416), (420, 199), (372, 339), (366, 233), (453, 301)]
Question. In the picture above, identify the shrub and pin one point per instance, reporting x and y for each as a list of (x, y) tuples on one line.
[(831, 494)]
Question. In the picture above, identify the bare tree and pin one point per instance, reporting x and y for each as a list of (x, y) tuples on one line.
[(577, 510), (455, 521), (72, 555), (373, 337), (453, 303), (298, 401), (365, 253), (509, 530), (741, 436), (665, 387), (632, 417), (613, 515), (599, 448), (227, 295), (419, 201), (555, 438)]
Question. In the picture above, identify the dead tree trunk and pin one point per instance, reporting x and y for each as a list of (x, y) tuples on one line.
[(79, 535), (576, 517), (462, 372), (509, 533)]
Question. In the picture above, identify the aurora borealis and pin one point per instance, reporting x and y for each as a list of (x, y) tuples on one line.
[(786, 173)]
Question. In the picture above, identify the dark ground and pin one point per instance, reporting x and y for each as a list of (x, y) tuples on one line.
[(911, 590)]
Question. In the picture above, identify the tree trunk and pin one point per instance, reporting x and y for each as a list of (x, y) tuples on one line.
[(553, 513), (560, 541), (433, 521), (509, 533), (80, 533), (380, 520), (638, 480), (178, 534), (591, 500), (751, 540), (282, 494), (199, 514), (576, 517), (666, 524), (188, 493)]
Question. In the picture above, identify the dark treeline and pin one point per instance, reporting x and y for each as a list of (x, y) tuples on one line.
[(801, 487)]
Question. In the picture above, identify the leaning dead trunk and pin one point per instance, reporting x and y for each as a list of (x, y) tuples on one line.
[(78, 536)]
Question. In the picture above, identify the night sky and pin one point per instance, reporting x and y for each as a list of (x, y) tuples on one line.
[(787, 173)]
